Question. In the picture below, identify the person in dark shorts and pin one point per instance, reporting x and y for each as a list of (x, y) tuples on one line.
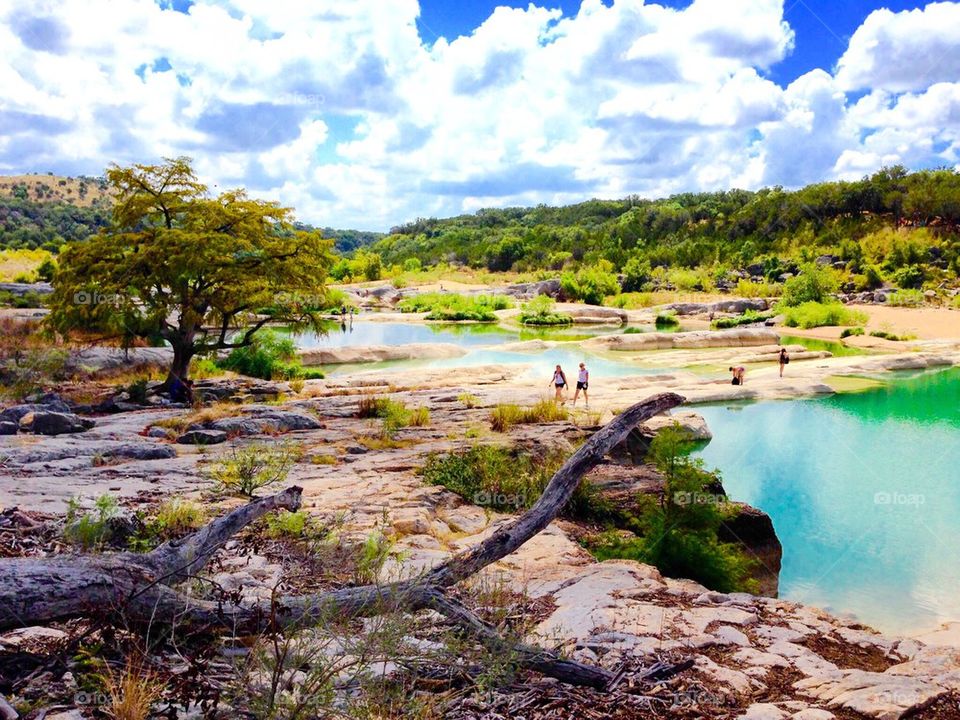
[(559, 381), (583, 380), (784, 359), (738, 375)]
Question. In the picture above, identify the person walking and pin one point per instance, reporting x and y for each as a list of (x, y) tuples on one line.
[(784, 359), (583, 380), (559, 381)]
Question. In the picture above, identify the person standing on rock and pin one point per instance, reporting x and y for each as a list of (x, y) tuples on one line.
[(559, 383), (784, 359), (583, 379), (739, 374)]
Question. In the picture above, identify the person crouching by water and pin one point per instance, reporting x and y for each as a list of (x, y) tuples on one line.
[(583, 379), (784, 359), (738, 375), (559, 383)]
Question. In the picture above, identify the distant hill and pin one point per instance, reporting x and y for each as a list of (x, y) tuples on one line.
[(45, 211), (78, 191)]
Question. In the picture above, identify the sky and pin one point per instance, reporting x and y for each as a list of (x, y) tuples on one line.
[(370, 113)]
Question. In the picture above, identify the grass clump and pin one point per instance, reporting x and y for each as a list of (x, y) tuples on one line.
[(816, 314), (452, 307), (270, 356), (393, 413), (469, 400), (666, 319), (851, 332), (678, 531), (906, 298), (884, 335), (499, 478), (542, 311), (90, 530), (506, 415), (253, 467), (748, 318)]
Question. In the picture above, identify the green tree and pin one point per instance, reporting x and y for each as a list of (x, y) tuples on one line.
[(813, 284), (189, 268)]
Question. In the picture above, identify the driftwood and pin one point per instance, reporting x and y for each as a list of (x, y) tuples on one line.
[(139, 588)]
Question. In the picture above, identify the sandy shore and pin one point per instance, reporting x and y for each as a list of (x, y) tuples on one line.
[(924, 323)]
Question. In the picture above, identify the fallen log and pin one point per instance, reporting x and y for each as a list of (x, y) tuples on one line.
[(140, 588)]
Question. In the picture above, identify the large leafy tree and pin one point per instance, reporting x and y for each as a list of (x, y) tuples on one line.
[(195, 270)]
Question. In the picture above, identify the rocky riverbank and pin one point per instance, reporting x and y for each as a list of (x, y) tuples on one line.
[(752, 657)]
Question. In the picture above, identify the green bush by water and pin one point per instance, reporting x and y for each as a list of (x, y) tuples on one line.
[(451, 307), (542, 310), (271, 356), (815, 314), (748, 318)]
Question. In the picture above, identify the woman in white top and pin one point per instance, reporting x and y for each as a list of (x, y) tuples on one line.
[(559, 381), (583, 379)]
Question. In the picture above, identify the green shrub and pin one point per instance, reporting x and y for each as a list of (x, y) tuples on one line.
[(502, 479), (678, 532), (592, 284), (750, 289), (271, 356), (451, 307), (287, 524), (815, 314), (813, 284), (253, 467), (469, 400), (636, 274), (541, 310), (666, 319), (137, 390), (909, 277), (851, 332), (749, 317), (906, 298)]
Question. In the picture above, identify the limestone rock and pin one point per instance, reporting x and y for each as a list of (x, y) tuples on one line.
[(202, 437), (54, 423), (763, 711), (8, 428)]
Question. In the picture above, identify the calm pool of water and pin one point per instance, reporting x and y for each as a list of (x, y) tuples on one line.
[(864, 493)]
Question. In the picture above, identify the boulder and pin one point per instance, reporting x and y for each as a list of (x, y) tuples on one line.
[(689, 421), (736, 306), (54, 423), (141, 451), (736, 337), (21, 289), (8, 428), (379, 353), (202, 437)]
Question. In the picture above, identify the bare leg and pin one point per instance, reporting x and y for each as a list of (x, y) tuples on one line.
[(576, 395), (586, 399)]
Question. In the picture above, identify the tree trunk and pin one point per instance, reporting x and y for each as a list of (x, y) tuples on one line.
[(183, 351), (138, 589)]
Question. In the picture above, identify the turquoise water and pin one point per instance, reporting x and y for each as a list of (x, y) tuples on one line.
[(481, 340), (864, 493)]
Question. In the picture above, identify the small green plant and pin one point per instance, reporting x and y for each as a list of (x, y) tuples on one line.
[(884, 335), (90, 530), (469, 401), (542, 310), (906, 298), (255, 466), (286, 524), (851, 332), (137, 390), (372, 555), (814, 284)]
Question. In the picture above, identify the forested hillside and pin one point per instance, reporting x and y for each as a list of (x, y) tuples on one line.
[(732, 228), (45, 211)]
